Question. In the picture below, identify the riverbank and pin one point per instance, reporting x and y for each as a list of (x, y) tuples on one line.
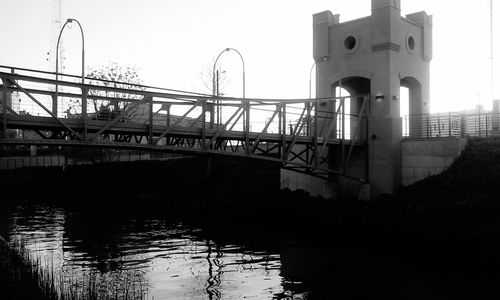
[(21, 277)]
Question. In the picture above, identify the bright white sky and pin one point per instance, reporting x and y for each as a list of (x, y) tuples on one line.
[(172, 41)]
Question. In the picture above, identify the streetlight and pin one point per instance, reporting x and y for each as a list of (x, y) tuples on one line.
[(214, 92), (68, 21), (324, 58)]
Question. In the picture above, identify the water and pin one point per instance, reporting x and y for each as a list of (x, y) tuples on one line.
[(169, 260)]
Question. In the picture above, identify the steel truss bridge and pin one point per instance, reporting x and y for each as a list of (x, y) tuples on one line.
[(303, 135)]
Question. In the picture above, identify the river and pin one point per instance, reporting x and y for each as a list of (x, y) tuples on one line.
[(164, 258)]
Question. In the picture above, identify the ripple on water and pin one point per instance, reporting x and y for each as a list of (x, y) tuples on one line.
[(176, 261)]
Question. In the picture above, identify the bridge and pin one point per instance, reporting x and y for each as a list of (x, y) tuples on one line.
[(155, 119)]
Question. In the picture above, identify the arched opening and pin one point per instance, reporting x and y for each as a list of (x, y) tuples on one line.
[(335, 113), (412, 107), (355, 88), (404, 96)]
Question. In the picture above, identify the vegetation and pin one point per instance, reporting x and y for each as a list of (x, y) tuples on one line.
[(23, 276), (116, 76)]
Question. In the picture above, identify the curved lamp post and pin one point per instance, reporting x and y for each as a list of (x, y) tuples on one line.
[(310, 75), (57, 58), (214, 92), (323, 59)]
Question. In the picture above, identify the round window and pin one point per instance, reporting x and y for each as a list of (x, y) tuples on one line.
[(350, 42), (410, 44)]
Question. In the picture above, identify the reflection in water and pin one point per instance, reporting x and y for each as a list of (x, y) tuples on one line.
[(173, 260)]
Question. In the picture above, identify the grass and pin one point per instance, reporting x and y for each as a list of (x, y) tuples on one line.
[(24, 276)]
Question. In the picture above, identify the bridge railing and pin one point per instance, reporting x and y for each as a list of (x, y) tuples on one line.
[(65, 96), (453, 124)]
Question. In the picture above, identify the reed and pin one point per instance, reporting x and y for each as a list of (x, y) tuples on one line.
[(24, 275)]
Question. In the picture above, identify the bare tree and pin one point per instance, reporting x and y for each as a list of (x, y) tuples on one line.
[(214, 81), (116, 76)]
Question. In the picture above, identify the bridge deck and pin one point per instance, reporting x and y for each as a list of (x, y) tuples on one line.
[(27, 122)]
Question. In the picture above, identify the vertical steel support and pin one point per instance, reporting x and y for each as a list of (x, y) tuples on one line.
[(479, 123), (167, 139), (342, 128), (150, 133), (439, 125), (3, 133), (247, 126), (486, 127), (203, 124), (168, 115), (84, 113), (280, 118), (428, 126), (449, 124), (308, 118), (283, 133), (212, 107), (462, 125), (54, 105), (315, 137)]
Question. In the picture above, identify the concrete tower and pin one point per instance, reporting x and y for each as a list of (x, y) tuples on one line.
[(377, 55)]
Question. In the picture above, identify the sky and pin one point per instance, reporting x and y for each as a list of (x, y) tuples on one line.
[(172, 42)]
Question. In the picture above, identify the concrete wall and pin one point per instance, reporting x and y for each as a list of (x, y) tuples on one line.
[(8, 163), (314, 186), (423, 158)]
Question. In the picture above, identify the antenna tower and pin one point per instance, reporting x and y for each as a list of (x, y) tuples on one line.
[(55, 27)]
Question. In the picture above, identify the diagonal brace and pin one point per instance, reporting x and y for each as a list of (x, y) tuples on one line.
[(170, 128), (44, 108), (117, 118)]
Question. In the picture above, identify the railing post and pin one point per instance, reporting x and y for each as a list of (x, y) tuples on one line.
[(203, 124), (449, 124), (84, 113), (308, 118), (280, 116), (486, 127), (247, 126), (167, 139), (315, 137), (3, 133), (283, 133), (150, 133), (212, 107), (54, 105), (428, 127), (479, 123), (439, 124), (168, 115), (463, 128)]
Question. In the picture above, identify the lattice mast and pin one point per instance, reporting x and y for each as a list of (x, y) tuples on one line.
[(55, 27)]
